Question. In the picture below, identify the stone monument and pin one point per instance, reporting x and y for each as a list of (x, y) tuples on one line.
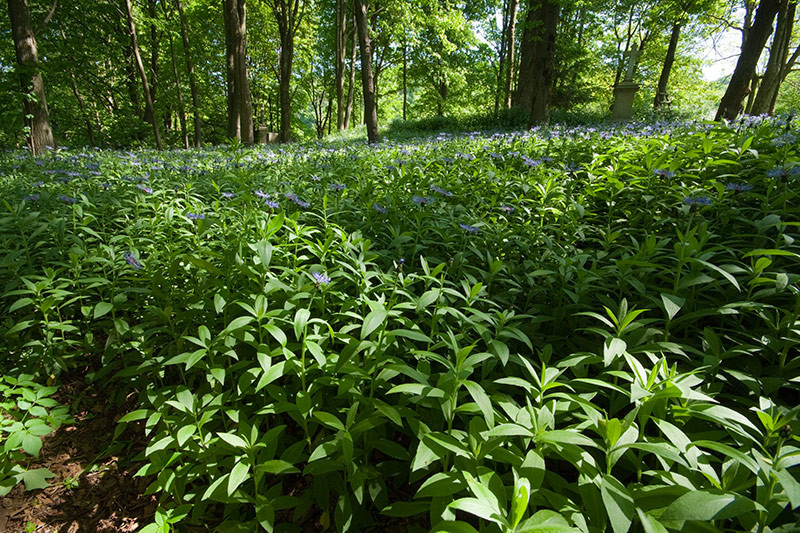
[(626, 89), (265, 136)]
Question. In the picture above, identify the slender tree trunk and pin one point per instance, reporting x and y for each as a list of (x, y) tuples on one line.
[(82, 107), (37, 118), (538, 59), (732, 101), (661, 90), (405, 79), (198, 135), (285, 90), (501, 60), (242, 76), (510, 42), (231, 14), (341, 53), (153, 77), (368, 88), (143, 75), (771, 80), (351, 85), (179, 91)]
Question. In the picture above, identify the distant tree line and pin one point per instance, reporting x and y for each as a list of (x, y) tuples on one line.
[(185, 72)]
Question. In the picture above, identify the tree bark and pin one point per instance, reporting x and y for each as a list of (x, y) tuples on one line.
[(767, 95), (230, 16), (732, 101), (148, 101), (341, 53), (288, 15), (240, 105), (37, 118), (510, 41), (178, 90), (537, 62), (82, 107), (351, 85), (368, 88), (243, 78), (405, 79), (661, 90), (198, 135), (153, 77)]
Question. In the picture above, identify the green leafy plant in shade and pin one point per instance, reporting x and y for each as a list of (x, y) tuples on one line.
[(27, 413)]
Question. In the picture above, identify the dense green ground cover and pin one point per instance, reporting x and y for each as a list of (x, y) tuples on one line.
[(588, 329)]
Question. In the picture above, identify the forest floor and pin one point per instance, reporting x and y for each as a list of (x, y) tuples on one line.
[(92, 490)]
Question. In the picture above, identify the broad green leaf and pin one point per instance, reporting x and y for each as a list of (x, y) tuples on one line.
[(234, 440), (372, 321), (102, 308), (239, 474), (618, 502), (36, 478), (672, 304), (482, 399), (705, 505)]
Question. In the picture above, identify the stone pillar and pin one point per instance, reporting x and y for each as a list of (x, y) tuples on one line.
[(262, 133), (623, 100)]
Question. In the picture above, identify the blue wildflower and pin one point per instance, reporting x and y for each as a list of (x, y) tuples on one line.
[(422, 200), (320, 278), (32, 197), (272, 204), (379, 209), (739, 187), (468, 229), (261, 194), (145, 189), (664, 173), (697, 200), (338, 187), (195, 216), (441, 191), (67, 199), (507, 208), (132, 261)]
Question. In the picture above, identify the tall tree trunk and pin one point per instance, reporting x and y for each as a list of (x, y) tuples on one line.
[(405, 79), (82, 107), (37, 117), (368, 88), (231, 15), (771, 80), (510, 41), (288, 15), (178, 90), (537, 62), (731, 104), (501, 59), (198, 135), (285, 89), (143, 75), (351, 85), (240, 105), (131, 74), (661, 90), (242, 76), (153, 77), (341, 53)]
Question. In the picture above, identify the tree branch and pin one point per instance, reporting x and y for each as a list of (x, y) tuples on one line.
[(47, 18)]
